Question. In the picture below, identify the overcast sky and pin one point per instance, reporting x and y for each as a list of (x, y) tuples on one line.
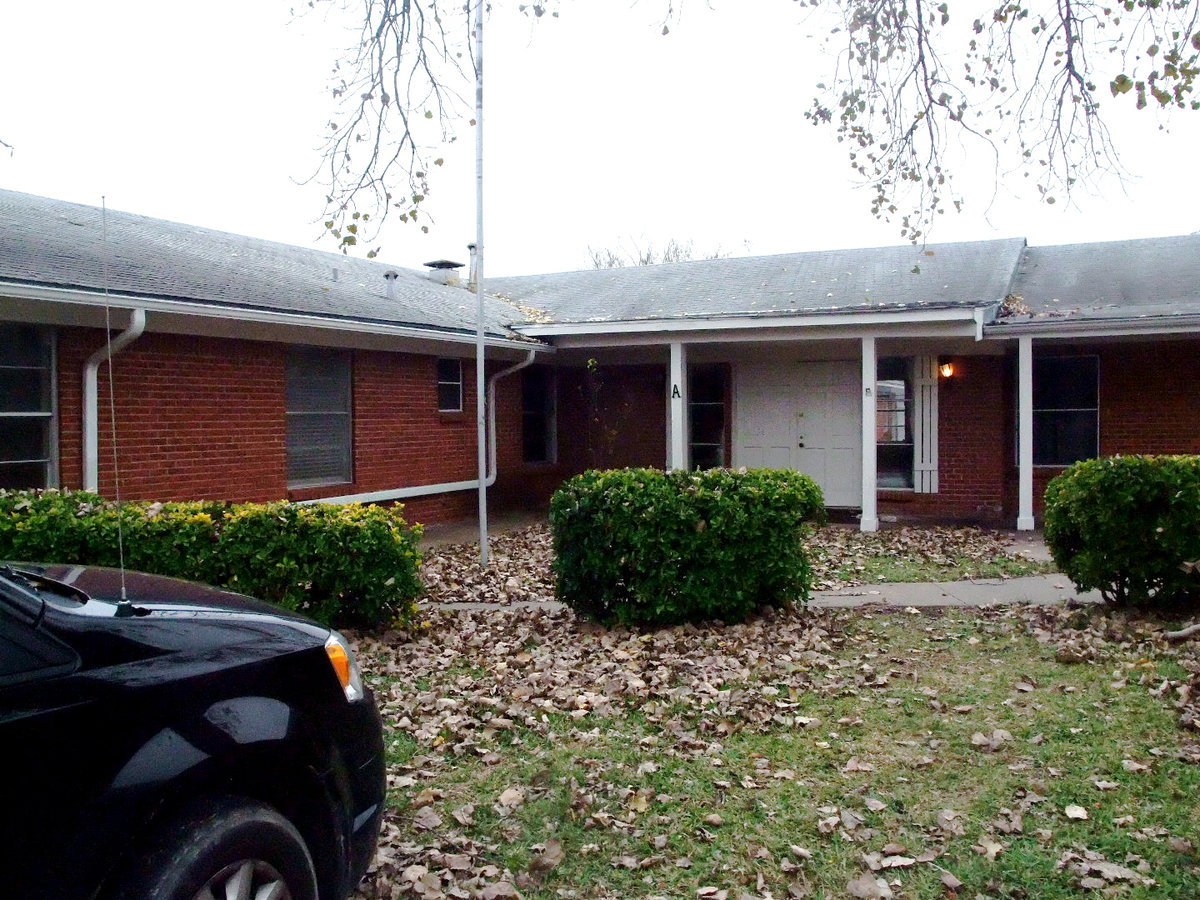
[(599, 132)]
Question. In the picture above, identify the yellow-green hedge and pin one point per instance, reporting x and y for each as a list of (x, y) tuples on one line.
[(340, 564)]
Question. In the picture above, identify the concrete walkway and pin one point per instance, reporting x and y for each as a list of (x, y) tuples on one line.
[(1035, 589)]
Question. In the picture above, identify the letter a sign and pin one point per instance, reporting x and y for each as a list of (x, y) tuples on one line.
[(675, 394)]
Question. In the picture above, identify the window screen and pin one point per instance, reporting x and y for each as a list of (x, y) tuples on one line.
[(1066, 415), (26, 407), (893, 423), (449, 385), (318, 417), (537, 414), (706, 416)]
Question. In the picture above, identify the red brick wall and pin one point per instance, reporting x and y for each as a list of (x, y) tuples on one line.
[(196, 417), (611, 418), (974, 446), (400, 438), (1149, 402), (1150, 398), (204, 418)]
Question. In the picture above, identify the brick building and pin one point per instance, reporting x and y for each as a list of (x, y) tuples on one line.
[(946, 382)]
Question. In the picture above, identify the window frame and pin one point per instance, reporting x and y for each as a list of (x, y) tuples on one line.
[(548, 413), (906, 409), (439, 381), (697, 408), (1095, 410), (48, 338), (344, 417)]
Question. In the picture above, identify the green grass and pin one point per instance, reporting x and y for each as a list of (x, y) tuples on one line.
[(641, 786)]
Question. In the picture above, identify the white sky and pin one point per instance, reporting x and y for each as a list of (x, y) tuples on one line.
[(599, 132)]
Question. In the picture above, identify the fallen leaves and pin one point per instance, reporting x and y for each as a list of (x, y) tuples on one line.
[(989, 848), (868, 887), (991, 742), (492, 690), (427, 819), (1097, 873)]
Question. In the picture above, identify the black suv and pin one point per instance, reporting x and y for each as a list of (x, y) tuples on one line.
[(163, 739)]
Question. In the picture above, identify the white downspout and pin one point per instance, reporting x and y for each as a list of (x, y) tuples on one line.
[(493, 468), (446, 487), (91, 412)]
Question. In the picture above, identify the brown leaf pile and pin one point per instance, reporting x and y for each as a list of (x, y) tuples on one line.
[(526, 663), (519, 569), (520, 560), (838, 552)]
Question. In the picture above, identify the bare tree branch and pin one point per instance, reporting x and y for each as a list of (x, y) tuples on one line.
[(911, 96), (397, 92)]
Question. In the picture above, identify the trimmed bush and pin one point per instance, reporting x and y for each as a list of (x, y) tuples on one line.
[(1127, 526), (642, 546), (340, 564)]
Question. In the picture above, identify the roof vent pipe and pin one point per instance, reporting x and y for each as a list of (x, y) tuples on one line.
[(391, 275)]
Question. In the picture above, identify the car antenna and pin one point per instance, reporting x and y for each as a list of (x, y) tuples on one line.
[(124, 607)]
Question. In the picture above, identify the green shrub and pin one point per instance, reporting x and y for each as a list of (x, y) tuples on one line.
[(350, 564), (341, 565), (651, 547), (1126, 526)]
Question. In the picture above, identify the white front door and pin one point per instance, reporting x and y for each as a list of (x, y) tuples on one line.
[(803, 416)]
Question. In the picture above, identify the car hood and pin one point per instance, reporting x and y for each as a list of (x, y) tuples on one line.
[(159, 594)]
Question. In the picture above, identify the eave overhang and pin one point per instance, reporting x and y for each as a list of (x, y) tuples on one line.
[(231, 314), (858, 320), (1094, 328)]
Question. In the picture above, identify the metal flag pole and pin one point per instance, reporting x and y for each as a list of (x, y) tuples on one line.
[(480, 385)]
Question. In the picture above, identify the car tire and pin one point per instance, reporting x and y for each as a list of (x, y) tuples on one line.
[(228, 847)]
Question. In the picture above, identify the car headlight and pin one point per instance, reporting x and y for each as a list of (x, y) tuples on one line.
[(337, 648)]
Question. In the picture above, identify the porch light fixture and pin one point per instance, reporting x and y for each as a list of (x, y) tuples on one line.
[(946, 369)]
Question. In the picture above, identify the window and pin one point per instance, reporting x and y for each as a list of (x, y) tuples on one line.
[(537, 414), (893, 423), (26, 407), (318, 417), (1066, 415), (449, 385), (706, 416)]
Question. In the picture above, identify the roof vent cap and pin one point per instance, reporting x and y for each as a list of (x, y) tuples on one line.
[(444, 271)]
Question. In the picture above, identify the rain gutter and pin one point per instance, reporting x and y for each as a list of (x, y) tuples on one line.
[(220, 312)]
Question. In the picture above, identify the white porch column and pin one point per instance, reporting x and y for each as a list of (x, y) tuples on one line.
[(870, 513), (677, 407), (1025, 434)]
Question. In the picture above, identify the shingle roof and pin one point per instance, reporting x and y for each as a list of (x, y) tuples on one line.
[(950, 275), (1152, 277), (53, 243), (58, 244)]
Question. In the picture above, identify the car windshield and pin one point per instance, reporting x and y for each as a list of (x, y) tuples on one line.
[(35, 584)]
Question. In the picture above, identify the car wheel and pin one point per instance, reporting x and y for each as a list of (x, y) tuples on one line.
[(226, 849)]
